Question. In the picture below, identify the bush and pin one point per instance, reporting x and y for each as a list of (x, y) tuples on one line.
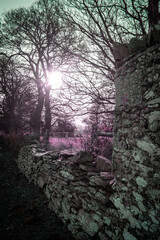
[(100, 146), (12, 143)]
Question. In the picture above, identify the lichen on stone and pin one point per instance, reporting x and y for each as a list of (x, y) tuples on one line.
[(141, 182), (128, 236)]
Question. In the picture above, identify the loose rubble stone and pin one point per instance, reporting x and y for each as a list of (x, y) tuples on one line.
[(82, 157), (87, 222), (87, 168), (103, 164)]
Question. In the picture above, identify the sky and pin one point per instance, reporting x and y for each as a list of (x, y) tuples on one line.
[(6, 5)]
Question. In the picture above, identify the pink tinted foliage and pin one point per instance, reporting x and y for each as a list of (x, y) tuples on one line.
[(89, 142), (69, 142)]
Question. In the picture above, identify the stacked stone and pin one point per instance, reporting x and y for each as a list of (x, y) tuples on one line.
[(82, 190), (77, 188), (137, 145)]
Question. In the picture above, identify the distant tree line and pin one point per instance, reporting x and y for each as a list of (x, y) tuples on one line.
[(76, 36)]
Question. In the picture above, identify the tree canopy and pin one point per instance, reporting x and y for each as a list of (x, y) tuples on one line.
[(78, 37)]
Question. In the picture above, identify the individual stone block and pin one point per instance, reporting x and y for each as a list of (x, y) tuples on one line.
[(41, 154), (154, 121), (41, 182), (98, 181), (146, 146), (87, 168), (106, 175), (82, 157), (67, 175), (87, 222), (103, 164)]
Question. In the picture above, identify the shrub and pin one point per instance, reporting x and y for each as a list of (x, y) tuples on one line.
[(12, 143), (99, 146)]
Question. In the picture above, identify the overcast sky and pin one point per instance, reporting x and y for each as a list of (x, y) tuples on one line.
[(6, 5)]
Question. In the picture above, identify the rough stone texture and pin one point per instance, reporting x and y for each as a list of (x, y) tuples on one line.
[(136, 152), (103, 164), (76, 190), (83, 191)]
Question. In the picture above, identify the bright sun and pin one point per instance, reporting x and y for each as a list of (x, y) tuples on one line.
[(55, 79)]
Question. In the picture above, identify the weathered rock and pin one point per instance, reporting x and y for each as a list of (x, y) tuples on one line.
[(82, 157), (137, 144), (136, 45), (106, 175), (67, 175), (103, 164), (98, 181), (67, 153), (82, 236), (87, 168), (88, 224), (154, 121), (146, 146), (41, 182), (120, 51), (39, 155), (101, 197), (93, 173)]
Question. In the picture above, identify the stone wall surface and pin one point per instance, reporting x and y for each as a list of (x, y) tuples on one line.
[(118, 200), (77, 187), (136, 155)]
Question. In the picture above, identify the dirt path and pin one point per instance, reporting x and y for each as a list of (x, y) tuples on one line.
[(23, 208)]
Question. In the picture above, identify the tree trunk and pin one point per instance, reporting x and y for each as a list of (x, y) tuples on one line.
[(153, 12), (47, 114), (12, 120), (38, 112), (153, 18)]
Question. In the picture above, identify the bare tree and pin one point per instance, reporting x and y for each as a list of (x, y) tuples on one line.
[(38, 36), (17, 97), (105, 28)]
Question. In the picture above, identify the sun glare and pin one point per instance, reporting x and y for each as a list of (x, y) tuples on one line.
[(55, 79)]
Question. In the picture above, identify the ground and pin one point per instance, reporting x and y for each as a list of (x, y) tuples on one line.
[(23, 208)]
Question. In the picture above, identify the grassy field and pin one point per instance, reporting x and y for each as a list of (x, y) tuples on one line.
[(60, 143)]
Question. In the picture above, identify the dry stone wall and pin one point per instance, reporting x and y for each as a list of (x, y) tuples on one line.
[(77, 187), (136, 155), (118, 201)]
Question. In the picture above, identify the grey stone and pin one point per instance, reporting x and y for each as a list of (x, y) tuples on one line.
[(149, 94), (68, 153), (41, 182), (154, 121), (87, 222), (101, 197), (141, 182), (154, 101), (93, 173), (87, 168), (39, 155), (120, 51), (82, 157), (82, 236), (146, 146), (97, 181), (103, 164), (67, 175), (128, 236), (136, 45), (106, 175)]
